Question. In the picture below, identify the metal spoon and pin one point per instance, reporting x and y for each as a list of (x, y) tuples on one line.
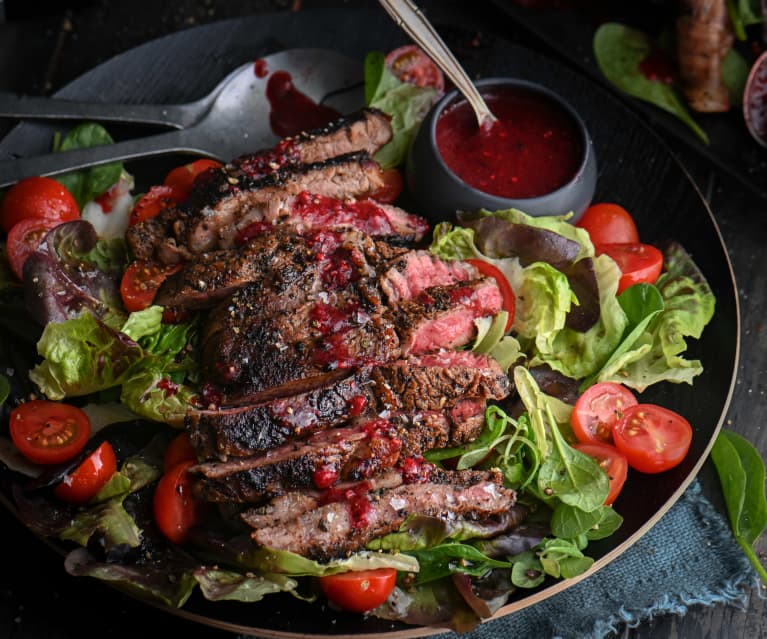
[(410, 19), (236, 122)]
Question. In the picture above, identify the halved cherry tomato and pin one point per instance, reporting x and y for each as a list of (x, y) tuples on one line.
[(178, 451), (36, 198), (612, 461), (609, 224), (598, 409), (359, 591), (176, 511), (392, 187), (48, 432), (638, 262), (182, 178), (140, 283), (410, 64), (85, 481), (653, 438), (151, 203), (509, 299), (23, 240)]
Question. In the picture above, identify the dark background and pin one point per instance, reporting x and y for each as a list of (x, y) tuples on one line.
[(44, 45)]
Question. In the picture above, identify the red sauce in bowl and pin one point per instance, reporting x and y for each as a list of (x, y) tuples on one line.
[(533, 149)]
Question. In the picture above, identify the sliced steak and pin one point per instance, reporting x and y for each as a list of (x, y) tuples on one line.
[(284, 508), (342, 527), (344, 454), (443, 316), (214, 218), (409, 274)]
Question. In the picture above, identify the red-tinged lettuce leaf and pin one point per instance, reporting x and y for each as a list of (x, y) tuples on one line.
[(485, 595), (61, 279), (522, 538), (583, 282), (171, 584)]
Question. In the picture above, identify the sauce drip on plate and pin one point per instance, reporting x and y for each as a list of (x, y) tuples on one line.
[(292, 111), (533, 149)]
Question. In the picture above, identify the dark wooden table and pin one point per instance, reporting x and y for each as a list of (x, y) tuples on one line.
[(44, 45)]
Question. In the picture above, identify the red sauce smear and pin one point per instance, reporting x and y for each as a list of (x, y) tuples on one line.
[(356, 500), (270, 161), (533, 149), (170, 387), (657, 66), (322, 211), (357, 405), (261, 68), (416, 470), (292, 111)]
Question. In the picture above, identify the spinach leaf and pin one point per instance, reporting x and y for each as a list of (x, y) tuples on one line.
[(744, 13), (86, 184), (735, 71), (569, 522), (619, 50), (742, 474), (445, 559)]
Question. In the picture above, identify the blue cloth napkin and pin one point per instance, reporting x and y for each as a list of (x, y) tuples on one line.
[(689, 557)]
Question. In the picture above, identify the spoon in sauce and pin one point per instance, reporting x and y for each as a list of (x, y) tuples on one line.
[(410, 19)]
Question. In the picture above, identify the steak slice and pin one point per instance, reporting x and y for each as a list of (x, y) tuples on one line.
[(443, 316), (265, 420), (214, 217), (284, 508), (342, 527), (345, 454)]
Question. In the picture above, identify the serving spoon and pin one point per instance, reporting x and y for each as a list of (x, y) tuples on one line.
[(409, 18), (236, 121)]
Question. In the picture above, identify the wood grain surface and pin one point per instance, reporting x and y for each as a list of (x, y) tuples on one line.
[(43, 51)]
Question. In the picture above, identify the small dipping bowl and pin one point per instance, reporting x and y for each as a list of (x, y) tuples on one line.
[(440, 192)]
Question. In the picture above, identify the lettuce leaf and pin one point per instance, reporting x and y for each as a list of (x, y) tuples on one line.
[(406, 103), (219, 585)]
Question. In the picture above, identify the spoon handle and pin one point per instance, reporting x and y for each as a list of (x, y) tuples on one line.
[(410, 19), (11, 171), (32, 107)]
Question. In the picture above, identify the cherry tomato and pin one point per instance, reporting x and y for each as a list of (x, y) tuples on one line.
[(410, 64), (176, 511), (178, 451), (509, 299), (151, 203), (359, 591), (612, 461), (653, 438), (140, 283), (23, 240), (609, 224), (48, 432), (598, 409), (82, 484), (391, 188), (35, 198), (638, 262), (182, 178)]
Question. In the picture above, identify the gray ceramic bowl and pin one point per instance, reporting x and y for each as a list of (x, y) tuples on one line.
[(439, 193)]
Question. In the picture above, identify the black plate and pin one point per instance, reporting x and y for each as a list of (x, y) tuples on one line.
[(636, 170)]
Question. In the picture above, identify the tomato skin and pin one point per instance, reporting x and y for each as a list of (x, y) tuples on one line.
[(410, 64), (37, 198), (23, 240), (83, 483), (638, 262), (178, 451), (175, 509), (359, 591), (140, 282), (509, 299), (597, 411), (612, 461), (181, 179), (609, 223), (653, 438), (392, 188), (151, 203), (48, 432)]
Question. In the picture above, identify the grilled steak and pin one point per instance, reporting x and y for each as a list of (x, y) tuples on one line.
[(431, 383), (343, 454), (341, 527)]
